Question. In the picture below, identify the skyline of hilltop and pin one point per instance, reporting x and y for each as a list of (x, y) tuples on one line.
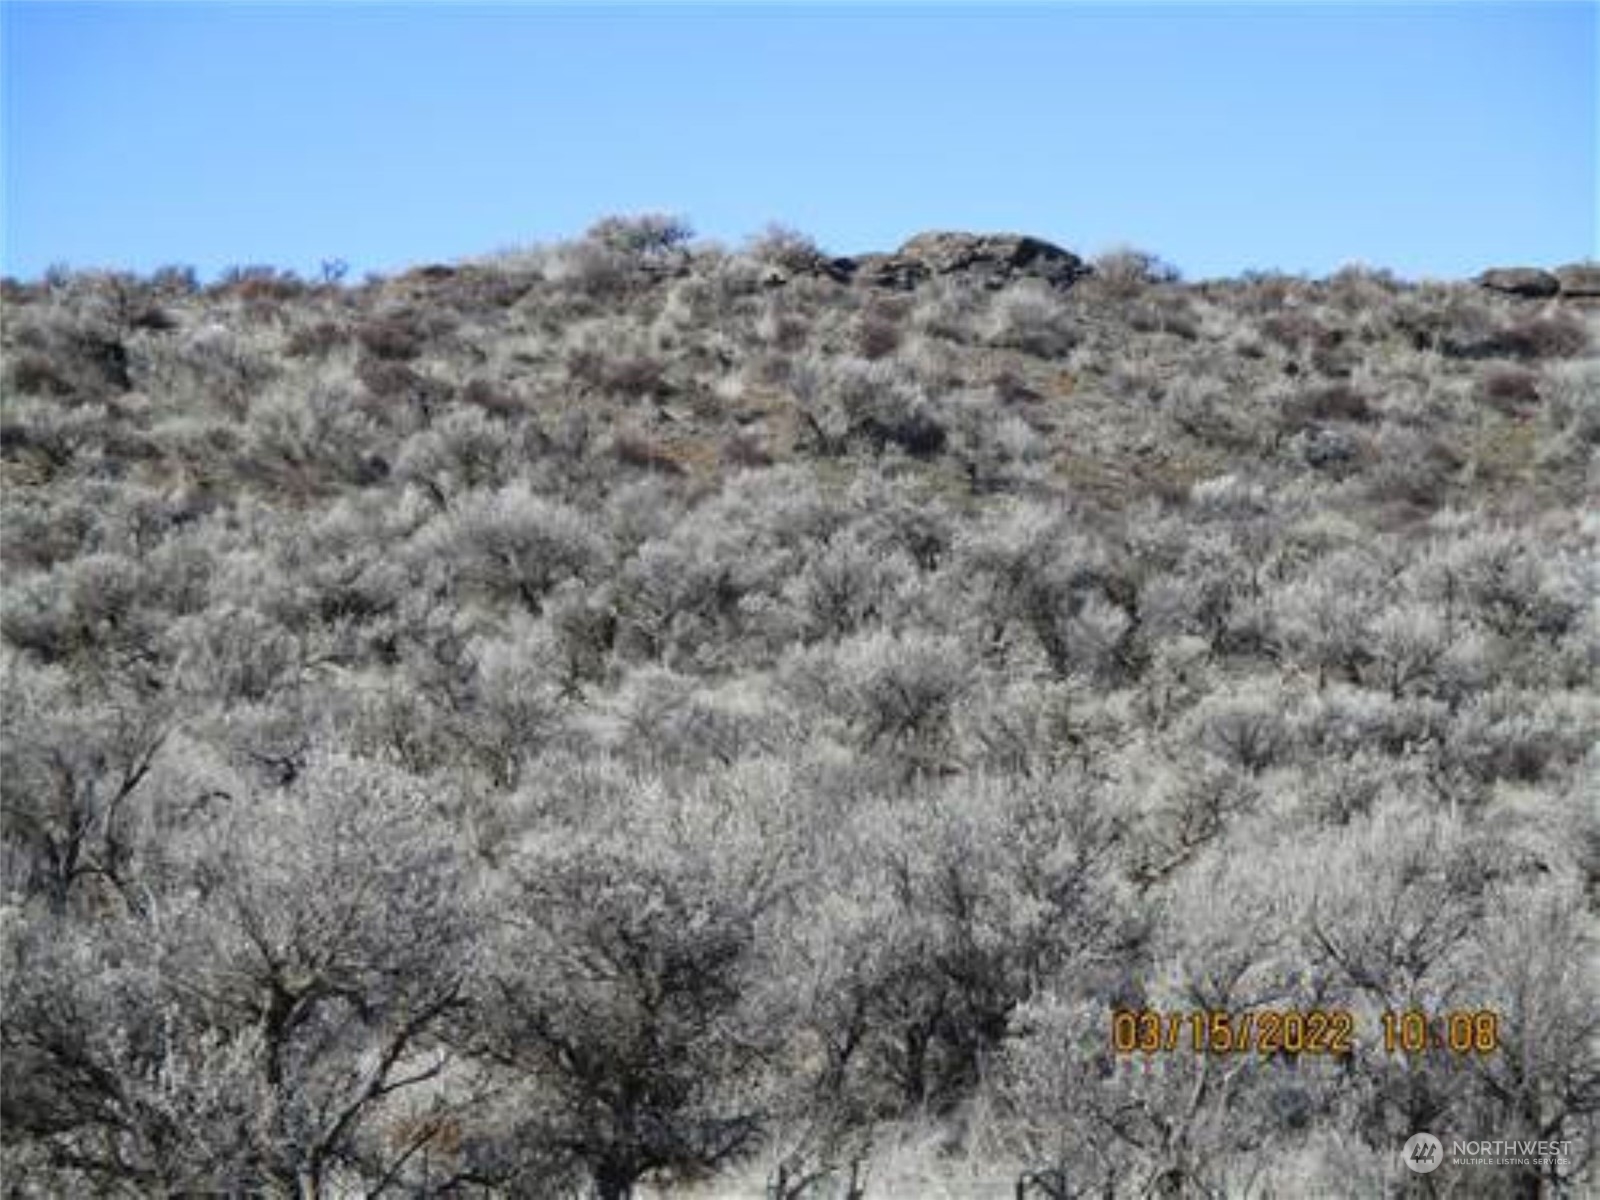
[(1431, 139)]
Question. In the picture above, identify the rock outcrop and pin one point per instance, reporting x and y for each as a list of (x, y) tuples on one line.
[(886, 271), (1574, 281), (1580, 281), (1527, 282), (1001, 257), (992, 259)]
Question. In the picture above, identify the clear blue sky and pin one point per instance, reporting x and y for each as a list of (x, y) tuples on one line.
[(1432, 138)]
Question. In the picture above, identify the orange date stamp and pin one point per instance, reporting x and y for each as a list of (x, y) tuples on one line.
[(1329, 1032)]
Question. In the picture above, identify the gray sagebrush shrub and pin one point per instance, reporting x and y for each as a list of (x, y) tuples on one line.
[(997, 452), (315, 438), (893, 695), (612, 370), (1341, 788), (1211, 595), (1557, 335), (670, 722), (679, 597), (878, 332), (1411, 468), (1514, 735), (1493, 577), (787, 249), (69, 354), (1508, 389), (1408, 644), (845, 584), (328, 574), (463, 451), (704, 573), (1538, 958), (103, 1064), (513, 706), (226, 654), (295, 1008), (210, 368), (625, 1000), (644, 235), (945, 925), (1184, 804), (93, 607), (1245, 726), (1322, 620), (1021, 727), (1570, 414), (1030, 317), (77, 755), (42, 530), (898, 517), (1057, 1082), (952, 310), (397, 396), (511, 545), (1392, 902), (1026, 568), (1124, 273), (883, 404)]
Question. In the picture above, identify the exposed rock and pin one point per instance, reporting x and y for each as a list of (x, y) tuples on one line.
[(1527, 282), (888, 271), (993, 259), (1579, 280), (1326, 449), (999, 257), (818, 266), (840, 270)]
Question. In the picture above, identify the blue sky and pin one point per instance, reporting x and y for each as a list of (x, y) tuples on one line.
[(1432, 138)]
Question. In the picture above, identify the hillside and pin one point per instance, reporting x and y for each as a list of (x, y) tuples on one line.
[(633, 713)]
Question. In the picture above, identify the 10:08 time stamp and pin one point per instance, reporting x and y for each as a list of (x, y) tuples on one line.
[(1313, 1031)]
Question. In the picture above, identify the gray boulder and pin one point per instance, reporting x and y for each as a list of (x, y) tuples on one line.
[(995, 258), (892, 271), (1527, 282), (991, 259), (1579, 280)]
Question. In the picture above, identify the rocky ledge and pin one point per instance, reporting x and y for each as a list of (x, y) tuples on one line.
[(995, 259), (1575, 281)]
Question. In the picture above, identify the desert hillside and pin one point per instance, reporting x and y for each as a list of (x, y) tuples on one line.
[(635, 715)]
